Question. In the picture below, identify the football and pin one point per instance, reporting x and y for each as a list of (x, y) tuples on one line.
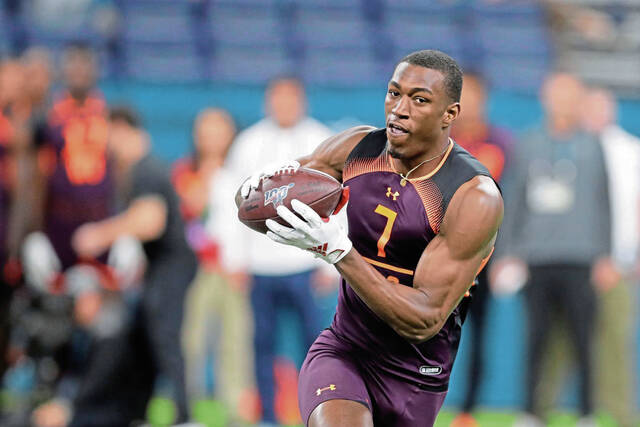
[(317, 189)]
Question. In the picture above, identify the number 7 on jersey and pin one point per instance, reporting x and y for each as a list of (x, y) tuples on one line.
[(386, 233)]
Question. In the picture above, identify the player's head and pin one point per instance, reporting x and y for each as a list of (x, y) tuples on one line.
[(213, 133), (37, 64), (562, 94), (128, 141), (599, 110), (79, 68), (423, 100), (285, 101), (473, 98)]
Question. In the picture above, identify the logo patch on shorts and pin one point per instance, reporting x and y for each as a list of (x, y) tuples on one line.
[(430, 370), (331, 387)]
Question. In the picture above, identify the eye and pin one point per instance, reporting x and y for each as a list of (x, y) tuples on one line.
[(421, 100), (393, 92)]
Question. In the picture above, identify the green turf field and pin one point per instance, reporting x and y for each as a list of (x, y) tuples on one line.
[(212, 414)]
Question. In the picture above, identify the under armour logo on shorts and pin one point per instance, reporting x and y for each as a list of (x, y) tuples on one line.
[(331, 387)]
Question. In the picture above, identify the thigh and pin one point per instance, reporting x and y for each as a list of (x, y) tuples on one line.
[(421, 409), (397, 401), (329, 373), (340, 413)]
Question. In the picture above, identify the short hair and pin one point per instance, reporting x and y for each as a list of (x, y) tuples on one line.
[(80, 46), (439, 61), (126, 114)]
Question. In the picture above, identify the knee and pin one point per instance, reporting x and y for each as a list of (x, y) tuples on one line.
[(341, 413)]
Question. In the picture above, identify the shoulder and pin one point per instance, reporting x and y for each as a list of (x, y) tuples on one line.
[(331, 155), (464, 163), (474, 214)]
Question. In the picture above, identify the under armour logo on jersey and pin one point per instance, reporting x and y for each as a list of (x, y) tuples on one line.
[(277, 195), (331, 387), (390, 194), (320, 249)]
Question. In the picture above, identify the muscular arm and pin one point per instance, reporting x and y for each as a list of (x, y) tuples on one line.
[(331, 154), (446, 268)]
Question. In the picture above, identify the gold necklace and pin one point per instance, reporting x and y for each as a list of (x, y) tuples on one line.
[(405, 177)]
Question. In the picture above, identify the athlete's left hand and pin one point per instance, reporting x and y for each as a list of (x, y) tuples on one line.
[(326, 238)]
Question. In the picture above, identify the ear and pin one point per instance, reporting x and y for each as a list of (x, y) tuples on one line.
[(450, 114)]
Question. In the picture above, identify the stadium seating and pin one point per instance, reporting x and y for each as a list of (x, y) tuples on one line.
[(333, 42)]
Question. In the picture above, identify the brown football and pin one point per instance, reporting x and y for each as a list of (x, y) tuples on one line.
[(317, 189)]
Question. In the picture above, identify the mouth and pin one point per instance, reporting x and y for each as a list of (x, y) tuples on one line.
[(396, 130)]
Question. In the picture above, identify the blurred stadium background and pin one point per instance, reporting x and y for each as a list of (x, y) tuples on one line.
[(172, 58)]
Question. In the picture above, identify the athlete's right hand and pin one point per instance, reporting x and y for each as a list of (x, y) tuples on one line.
[(41, 264), (270, 170)]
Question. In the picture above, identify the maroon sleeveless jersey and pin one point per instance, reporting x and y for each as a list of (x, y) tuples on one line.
[(391, 222)]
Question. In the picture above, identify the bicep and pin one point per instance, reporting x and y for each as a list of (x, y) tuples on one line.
[(445, 276), (455, 256)]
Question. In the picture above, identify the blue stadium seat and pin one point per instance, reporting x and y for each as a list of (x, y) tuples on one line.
[(344, 68), (245, 4), (157, 26), (232, 27), (160, 7), (428, 9), (321, 29), (249, 65), (523, 40), (411, 33), (161, 62), (513, 11), (327, 4), (515, 73)]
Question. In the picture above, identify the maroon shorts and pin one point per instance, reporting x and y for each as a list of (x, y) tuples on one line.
[(332, 371)]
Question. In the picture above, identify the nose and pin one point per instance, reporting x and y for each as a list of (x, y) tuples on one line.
[(401, 109)]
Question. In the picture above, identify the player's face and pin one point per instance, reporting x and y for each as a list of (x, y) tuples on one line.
[(121, 139), (38, 76), (214, 134), (79, 71), (286, 102), (417, 109)]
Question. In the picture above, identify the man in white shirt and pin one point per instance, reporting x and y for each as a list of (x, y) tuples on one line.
[(614, 276), (281, 276)]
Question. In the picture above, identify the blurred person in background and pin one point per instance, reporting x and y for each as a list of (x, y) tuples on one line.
[(281, 277), (615, 276), (492, 146), (217, 315), (11, 86), (38, 78), (149, 211), (74, 163), (612, 276), (76, 187), (557, 226), (20, 188)]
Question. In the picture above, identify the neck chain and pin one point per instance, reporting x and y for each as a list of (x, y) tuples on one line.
[(405, 177)]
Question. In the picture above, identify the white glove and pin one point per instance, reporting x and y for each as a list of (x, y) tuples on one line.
[(270, 170), (327, 239), (41, 264), (128, 260)]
